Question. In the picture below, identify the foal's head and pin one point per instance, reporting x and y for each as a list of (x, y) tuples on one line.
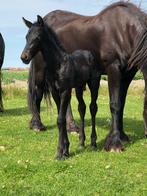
[(33, 39)]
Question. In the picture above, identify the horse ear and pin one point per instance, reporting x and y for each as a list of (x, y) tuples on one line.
[(27, 23), (40, 20)]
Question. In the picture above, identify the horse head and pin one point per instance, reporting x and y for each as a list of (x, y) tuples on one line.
[(33, 39)]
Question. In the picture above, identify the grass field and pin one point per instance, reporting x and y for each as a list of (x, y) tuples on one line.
[(28, 167), (11, 76)]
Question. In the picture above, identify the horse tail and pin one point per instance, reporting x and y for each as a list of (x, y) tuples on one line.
[(139, 54)]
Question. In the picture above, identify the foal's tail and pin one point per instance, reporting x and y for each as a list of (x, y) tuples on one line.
[(139, 55)]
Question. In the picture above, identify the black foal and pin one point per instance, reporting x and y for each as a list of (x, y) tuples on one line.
[(65, 71)]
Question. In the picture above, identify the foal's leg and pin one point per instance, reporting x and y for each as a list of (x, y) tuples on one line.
[(70, 122), (82, 110), (94, 87), (63, 142), (1, 102)]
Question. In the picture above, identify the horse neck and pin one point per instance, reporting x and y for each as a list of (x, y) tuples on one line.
[(52, 52)]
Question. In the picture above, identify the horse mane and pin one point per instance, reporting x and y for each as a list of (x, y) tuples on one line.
[(55, 39), (119, 4), (138, 57)]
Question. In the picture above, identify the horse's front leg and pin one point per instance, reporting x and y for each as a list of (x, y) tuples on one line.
[(70, 122), (36, 83), (1, 102), (113, 141), (63, 142)]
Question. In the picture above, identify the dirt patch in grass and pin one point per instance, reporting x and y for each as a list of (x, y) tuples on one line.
[(21, 84)]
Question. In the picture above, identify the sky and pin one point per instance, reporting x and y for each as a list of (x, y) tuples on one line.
[(14, 30)]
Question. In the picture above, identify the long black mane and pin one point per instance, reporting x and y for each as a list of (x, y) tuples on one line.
[(48, 77)]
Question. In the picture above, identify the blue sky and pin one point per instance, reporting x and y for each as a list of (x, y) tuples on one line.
[(14, 31)]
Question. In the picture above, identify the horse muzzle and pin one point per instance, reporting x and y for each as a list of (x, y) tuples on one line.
[(25, 58)]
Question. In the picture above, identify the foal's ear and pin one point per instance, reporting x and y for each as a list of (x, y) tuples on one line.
[(40, 20), (27, 23)]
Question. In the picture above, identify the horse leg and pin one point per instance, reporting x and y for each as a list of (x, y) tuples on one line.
[(94, 87), (125, 82), (70, 122), (35, 92), (35, 122), (113, 141), (63, 142), (145, 103), (1, 102), (82, 110)]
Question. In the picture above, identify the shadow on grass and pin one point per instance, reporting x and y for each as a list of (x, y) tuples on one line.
[(132, 127), (17, 111)]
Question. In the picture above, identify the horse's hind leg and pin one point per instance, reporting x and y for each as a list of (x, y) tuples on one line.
[(70, 122), (94, 87), (82, 110), (125, 82), (118, 86), (1, 102)]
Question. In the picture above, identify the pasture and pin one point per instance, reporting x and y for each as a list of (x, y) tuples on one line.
[(28, 167)]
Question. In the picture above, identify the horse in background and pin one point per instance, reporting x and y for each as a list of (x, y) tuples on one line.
[(2, 51), (117, 36), (64, 71)]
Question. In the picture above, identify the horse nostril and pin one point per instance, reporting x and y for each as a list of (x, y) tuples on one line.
[(24, 56)]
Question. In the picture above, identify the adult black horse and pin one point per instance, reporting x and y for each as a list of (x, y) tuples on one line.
[(118, 37), (2, 50)]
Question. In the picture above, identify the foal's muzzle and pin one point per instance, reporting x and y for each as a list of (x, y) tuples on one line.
[(25, 57)]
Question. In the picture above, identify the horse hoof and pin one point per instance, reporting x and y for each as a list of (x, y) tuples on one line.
[(124, 138), (72, 127), (94, 146), (37, 127), (61, 156), (1, 110), (113, 144), (118, 149)]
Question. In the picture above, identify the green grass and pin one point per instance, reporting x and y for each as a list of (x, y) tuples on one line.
[(28, 167), (11, 76)]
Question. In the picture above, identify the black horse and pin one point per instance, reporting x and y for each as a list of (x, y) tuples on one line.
[(117, 36), (64, 72), (2, 50), (37, 76)]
